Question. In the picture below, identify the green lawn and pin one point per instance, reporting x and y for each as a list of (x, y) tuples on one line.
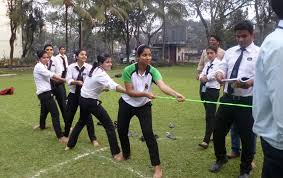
[(28, 153)]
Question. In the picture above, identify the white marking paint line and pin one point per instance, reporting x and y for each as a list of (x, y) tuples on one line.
[(128, 168), (42, 171), (7, 75)]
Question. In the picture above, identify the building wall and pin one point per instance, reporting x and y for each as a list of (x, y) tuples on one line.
[(5, 35)]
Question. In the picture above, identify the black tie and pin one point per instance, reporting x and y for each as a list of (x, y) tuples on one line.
[(65, 68), (209, 67), (49, 65), (79, 78), (234, 73)]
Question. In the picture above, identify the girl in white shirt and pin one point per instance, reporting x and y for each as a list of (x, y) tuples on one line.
[(210, 92), (42, 78), (95, 83), (76, 74)]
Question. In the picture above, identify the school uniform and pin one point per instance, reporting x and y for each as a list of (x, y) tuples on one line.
[(63, 61), (139, 106), (58, 89), (210, 92), (43, 90), (90, 104), (237, 63), (75, 72)]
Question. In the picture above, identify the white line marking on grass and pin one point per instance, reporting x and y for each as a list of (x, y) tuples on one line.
[(7, 75), (128, 168), (42, 171)]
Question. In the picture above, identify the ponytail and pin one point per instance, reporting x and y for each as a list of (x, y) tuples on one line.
[(100, 60), (94, 65)]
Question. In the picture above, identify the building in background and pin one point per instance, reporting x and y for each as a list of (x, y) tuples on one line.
[(5, 34)]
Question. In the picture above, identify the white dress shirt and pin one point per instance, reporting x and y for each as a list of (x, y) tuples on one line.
[(268, 85), (246, 69), (56, 66), (95, 84), (213, 66), (72, 74), (42, 78), (59, 56)]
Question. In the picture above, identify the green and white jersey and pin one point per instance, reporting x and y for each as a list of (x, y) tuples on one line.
[(141, 83)]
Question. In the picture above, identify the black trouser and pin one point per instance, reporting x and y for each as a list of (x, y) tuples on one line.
[(47, 104), (211, 94), (92, 106), (242, 117), (59, 92), (273, 161), (125, 113), (72, 106)]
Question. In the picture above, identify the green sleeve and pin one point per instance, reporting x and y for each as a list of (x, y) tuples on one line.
[(127, 73), (155, 74)]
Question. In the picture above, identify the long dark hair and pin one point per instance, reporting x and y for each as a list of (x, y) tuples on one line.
[(100, 60)]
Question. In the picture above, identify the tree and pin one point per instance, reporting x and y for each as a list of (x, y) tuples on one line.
[(264, 18), (218, 10), (16, 16)]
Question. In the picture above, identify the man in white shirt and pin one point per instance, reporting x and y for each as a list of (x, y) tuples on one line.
[(63, 60), (238, 63), (268, 98)]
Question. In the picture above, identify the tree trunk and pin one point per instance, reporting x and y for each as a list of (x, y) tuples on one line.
[(80, 34), (127, 40), (66, 27), (12, 41), (203, 22)]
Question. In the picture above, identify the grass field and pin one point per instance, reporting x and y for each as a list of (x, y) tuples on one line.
[(28, 153)]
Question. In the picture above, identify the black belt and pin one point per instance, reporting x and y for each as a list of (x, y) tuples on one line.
[(236, 98), (45, 93)]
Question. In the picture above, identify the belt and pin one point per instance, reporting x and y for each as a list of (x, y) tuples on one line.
[(236, 98), (45, 93)]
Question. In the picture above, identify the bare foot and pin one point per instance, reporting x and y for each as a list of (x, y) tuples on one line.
[(253, 164), (119, 157), (36, 127), (63, 140), (95, 143), (157, 172)]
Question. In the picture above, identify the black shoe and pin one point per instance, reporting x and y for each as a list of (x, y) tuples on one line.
[(245, 175), (218, 165)]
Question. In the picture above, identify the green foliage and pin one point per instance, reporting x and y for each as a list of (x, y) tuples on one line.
[(25, 152)]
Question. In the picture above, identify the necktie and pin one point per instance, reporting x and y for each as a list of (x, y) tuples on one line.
[(234, 73), (49, 65), (79, 78), (209, 67), (65, 68)]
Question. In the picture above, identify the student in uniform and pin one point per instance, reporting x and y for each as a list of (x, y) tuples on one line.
[(95, 83), (239, 62), (58, 87), (42, 78), (209, 92), (138, 78), (62, 58), (76, 75)]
